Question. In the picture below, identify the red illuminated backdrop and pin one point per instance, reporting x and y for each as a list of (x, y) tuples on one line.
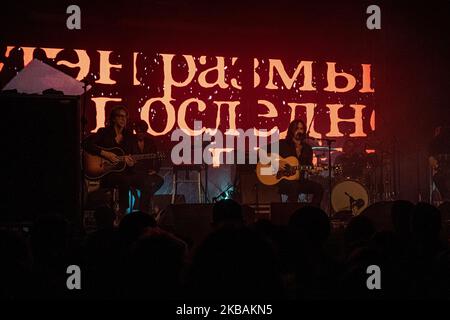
[(408, 57), (171, 90)]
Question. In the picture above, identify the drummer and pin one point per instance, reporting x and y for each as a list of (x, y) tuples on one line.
[(352, 162)]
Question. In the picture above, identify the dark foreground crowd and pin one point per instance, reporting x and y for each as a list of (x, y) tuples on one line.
[(307, 259)]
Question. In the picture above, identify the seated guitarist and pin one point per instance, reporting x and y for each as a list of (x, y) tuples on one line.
[(116, 134), (294, 145)]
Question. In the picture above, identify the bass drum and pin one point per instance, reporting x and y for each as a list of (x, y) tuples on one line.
[(349, 195)]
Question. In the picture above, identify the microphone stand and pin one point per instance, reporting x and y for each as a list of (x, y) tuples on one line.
[(310, 124), (352, 201), (329, 142), (82, 137), (86, 81), (358, 204)]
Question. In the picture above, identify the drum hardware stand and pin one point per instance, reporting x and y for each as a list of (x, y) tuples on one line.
[(205, 186), (395, 167), (419, 191), (329, 142)]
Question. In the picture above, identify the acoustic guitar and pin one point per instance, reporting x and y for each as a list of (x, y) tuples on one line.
[(288, 169), (96, 167)]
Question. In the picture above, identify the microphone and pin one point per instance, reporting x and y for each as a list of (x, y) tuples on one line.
[(351, 198), (360, 203), (357, 203)]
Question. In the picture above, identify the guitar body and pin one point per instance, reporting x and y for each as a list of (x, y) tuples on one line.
[(287, 174), (96, 167)]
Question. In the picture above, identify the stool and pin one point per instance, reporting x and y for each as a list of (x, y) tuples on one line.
[(187, 169), (101, 195)]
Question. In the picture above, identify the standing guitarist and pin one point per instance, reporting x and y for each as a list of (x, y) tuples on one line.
[(439, 159), (116, 134), (295, 145)]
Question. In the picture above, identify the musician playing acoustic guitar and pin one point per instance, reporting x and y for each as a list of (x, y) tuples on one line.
[(117, 135), (295, 145)]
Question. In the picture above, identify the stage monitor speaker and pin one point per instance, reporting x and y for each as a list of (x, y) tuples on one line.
[(162, 201), (280, 212), (192, 222), (41, 157), (252, 191)]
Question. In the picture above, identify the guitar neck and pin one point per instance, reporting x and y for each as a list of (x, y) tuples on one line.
[(302, 167)]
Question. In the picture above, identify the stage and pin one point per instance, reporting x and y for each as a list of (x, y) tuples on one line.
[(271, 150)]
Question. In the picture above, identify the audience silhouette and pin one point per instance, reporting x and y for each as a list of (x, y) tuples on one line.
[(258, 261)]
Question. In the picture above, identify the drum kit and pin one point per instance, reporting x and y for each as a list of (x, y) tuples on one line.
[(358, 178)]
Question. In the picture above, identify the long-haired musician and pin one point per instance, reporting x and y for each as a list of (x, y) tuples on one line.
[(117, 135), (295, 145)]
